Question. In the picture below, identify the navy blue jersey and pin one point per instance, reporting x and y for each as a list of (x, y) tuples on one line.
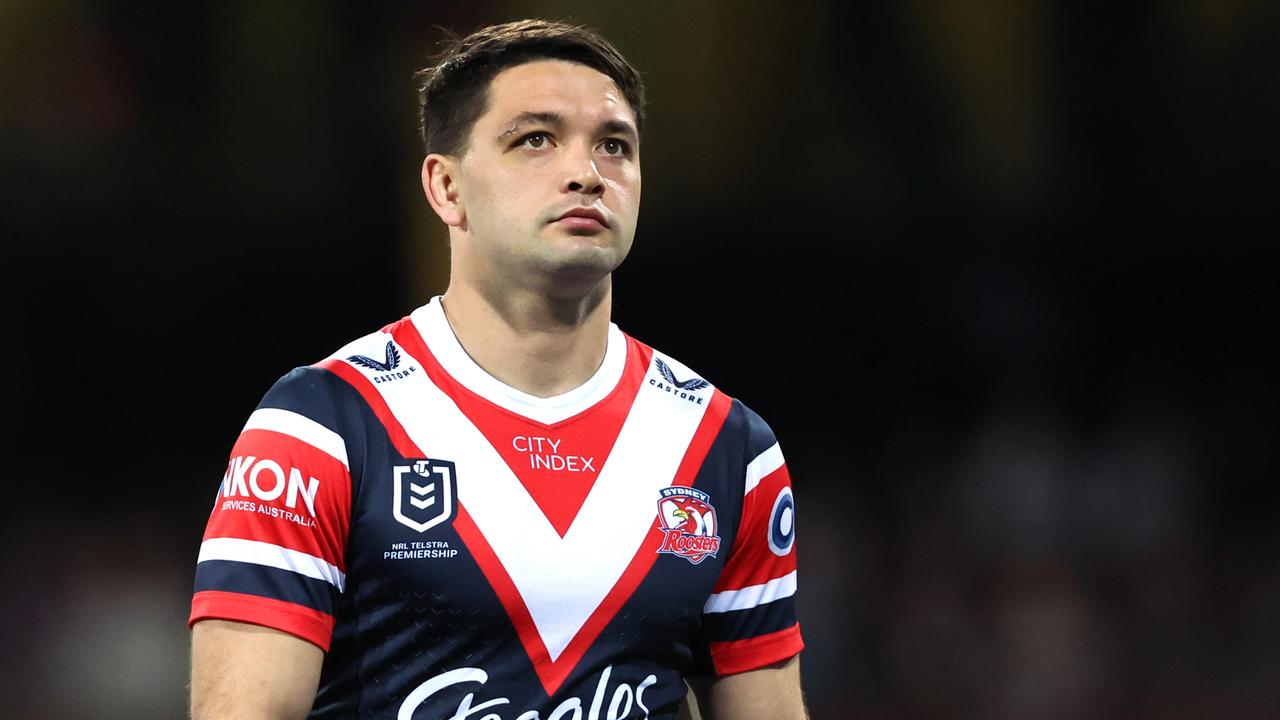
[(462, 549)]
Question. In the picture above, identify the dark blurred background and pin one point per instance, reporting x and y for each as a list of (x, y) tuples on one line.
[(997, 274)]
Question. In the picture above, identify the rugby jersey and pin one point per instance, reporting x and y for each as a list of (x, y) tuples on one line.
[(458, 547)]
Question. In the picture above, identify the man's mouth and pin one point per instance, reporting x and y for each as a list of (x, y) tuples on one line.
[(583, 219)]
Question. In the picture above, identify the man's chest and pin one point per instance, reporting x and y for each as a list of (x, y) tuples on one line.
[(550, 532), (561, 541)]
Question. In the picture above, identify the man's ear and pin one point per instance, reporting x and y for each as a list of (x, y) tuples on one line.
[(440, 183)]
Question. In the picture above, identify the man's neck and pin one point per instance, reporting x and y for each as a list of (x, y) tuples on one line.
[(538, 345)]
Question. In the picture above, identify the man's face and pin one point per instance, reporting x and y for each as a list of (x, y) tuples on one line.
[(550, 179)]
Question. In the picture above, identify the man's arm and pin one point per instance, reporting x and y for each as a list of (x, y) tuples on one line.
[(769, 693), (249, 672)]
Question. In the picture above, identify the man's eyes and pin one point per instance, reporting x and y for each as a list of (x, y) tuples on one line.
[(612, 147), (536, 141), (616, 147)]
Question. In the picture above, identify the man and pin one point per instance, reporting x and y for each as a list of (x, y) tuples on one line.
[(501, 506)]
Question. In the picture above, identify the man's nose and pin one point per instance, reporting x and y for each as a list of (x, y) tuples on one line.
[(582, 175)]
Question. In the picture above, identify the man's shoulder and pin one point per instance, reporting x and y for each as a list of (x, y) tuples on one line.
[(321, 383), (670, 374), (374, 350), (672, 369)]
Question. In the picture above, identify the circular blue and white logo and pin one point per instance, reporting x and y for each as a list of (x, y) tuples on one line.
[(782, 523)]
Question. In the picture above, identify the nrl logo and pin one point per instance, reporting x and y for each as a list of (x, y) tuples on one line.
[(423, 494), (689, 523)]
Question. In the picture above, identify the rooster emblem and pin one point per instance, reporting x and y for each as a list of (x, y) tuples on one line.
[(693, 522), (688, 520)]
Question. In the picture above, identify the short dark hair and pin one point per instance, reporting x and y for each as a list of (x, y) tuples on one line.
[(453, 92)]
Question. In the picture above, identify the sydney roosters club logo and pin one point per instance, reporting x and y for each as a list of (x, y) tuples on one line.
[(689, 522)]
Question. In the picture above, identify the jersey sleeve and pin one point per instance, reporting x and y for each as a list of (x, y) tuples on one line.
[(273, 549), (750, 617)]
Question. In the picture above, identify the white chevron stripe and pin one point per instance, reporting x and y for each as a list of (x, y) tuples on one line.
[(561, 580), (301, 427), (764, 465), (269, 555), (752, 596)]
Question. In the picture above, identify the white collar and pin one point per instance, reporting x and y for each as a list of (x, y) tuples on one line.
[(434, 327)]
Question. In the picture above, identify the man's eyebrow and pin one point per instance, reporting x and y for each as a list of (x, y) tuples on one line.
[(620, 127), (553, 119)]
